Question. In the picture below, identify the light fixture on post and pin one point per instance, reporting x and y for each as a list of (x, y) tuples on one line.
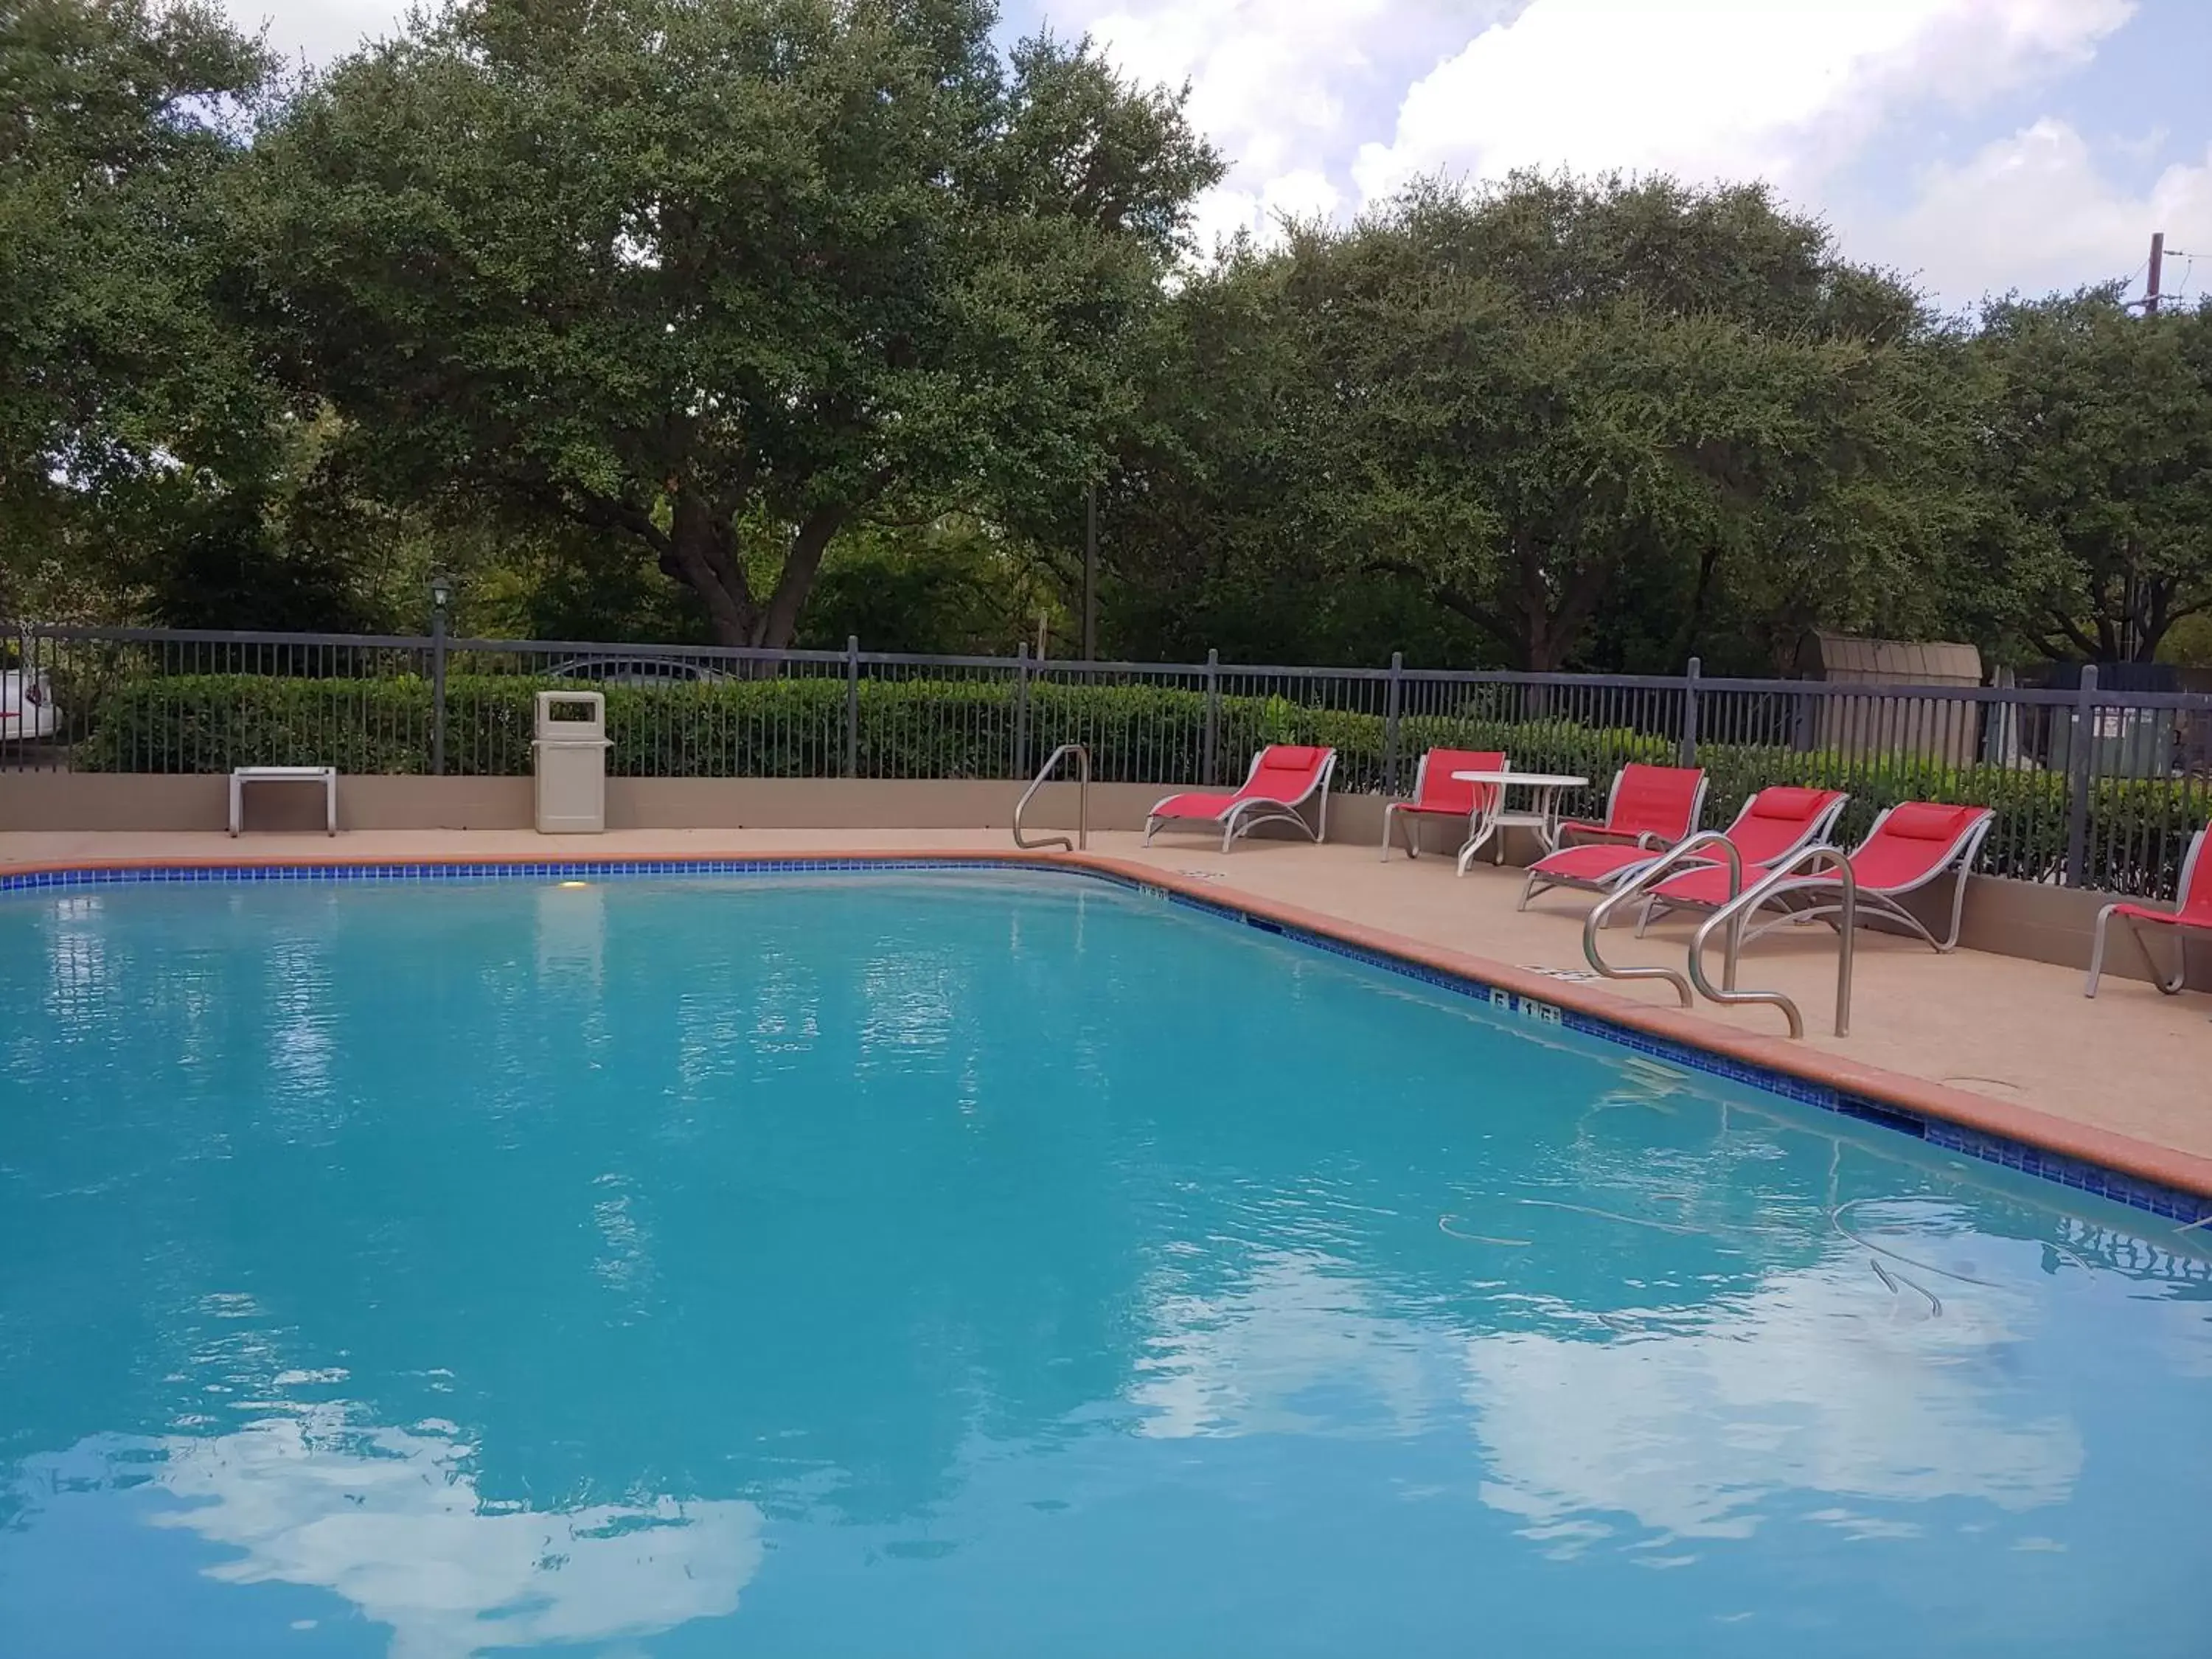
[(442, 595)]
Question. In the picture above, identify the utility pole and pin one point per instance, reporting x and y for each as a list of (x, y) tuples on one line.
[(1090, 573), (2157, 265)]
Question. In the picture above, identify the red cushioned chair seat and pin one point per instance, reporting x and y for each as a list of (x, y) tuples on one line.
[(1707, 884), (2199, 917), (1779, 821), (1195, 806), (1442, 794)]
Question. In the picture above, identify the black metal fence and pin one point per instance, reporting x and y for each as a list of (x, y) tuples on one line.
[(2090, 788)]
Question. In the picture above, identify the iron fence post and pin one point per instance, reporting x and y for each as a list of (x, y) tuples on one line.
[(438, 690), (1690, 711), (2080, 770), (1022, 710), (1212, 712), (1391, 711), (852, 705)]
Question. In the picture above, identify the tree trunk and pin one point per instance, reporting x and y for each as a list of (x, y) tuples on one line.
[(701, 554), (1550, 630), (1535, 634), (701, 551), (1684, 641), (802, 563)]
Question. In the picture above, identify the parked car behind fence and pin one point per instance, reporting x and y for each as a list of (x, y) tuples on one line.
[(633, 670), (28, 712)]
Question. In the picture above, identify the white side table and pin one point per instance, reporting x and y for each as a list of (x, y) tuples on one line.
[(326, 776), (1541, 815)]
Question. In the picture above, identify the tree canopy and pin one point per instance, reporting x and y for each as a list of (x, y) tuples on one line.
[(121, 390), (722, 280), (764, 321), (1523, 401), (2100, 456)]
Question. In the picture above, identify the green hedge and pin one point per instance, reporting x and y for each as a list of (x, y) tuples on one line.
[(957, 728)]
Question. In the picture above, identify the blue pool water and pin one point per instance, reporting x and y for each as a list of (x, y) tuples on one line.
[(974, 1266)]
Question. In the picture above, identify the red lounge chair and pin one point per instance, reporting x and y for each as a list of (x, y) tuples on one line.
[(2194, 912), (1436, 793), (1283, 778), (1910, 845), (1773, 823), (1650, 808)]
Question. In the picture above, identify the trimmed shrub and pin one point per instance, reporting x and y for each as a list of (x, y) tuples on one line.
[(794, 727)]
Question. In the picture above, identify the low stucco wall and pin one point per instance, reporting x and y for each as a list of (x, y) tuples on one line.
[(2007, 918), (861, 804), (136, 801), (2054, 924), (126, 801)]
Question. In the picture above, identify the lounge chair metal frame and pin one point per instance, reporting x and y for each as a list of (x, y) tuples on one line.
[(1818, 828), (1873, 903), (1248, 813), (2182, 921)]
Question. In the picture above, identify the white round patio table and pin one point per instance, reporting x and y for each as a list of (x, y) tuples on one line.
[(1542, 814)]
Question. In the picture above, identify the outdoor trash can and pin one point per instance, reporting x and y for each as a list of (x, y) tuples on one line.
[(571, 755)]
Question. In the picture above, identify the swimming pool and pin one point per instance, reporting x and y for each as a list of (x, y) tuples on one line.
[(966, 1264)]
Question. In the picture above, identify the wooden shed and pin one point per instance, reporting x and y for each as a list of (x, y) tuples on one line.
[(1943, 729)]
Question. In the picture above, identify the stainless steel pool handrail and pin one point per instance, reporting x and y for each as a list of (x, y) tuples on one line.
[(1783, 877), (1642, 882), (1082, 801)]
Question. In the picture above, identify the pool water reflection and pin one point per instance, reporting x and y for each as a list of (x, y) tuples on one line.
[(978, 1266)]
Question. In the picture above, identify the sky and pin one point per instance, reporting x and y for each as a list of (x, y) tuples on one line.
[(1977, 146)]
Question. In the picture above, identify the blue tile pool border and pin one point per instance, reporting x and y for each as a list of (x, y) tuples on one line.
[(2187, 1208), (379, 871)]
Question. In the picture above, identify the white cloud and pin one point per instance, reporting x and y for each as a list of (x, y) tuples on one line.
[(316, 30), (392, 1521), (1818, 1385), (1268, 78), (1252, 1361), (1815, 1384), (1285, 89), (1301, 193), (2034, 211), (1319, 105), (1716, 87)]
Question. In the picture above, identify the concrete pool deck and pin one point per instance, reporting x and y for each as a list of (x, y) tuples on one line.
[(2008, 1046)]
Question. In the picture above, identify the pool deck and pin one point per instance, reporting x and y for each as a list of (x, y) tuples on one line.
[(2007, 1046)]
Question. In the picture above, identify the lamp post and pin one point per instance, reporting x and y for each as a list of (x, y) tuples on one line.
[(1090, 573), (442, 595)]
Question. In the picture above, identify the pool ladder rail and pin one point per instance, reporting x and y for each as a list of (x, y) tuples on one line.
[(1790, 875), (1082, 801)]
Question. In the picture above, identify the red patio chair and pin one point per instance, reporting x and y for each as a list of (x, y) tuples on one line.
[(1652, 806), (1772, 824), (1283, 778), (1910, 845), (1436, 793), (2195, 913), (1648, 810)]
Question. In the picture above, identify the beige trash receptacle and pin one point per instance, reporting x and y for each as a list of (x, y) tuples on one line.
[(571, 755)]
